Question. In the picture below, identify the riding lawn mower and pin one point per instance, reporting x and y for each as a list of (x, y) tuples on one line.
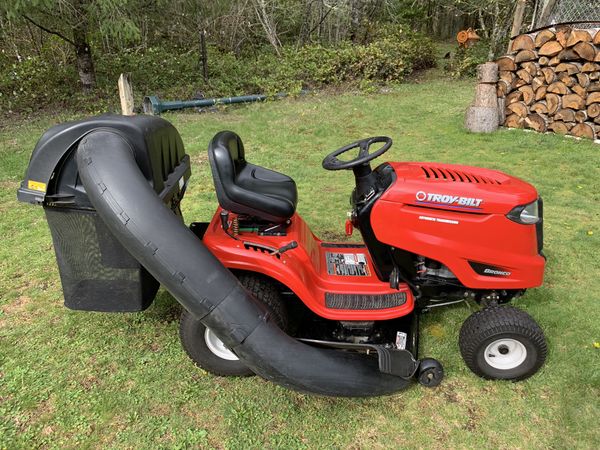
[(261, 294)]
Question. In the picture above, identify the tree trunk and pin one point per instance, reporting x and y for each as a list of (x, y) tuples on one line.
[(85, 62), (268, 24), (545, 13), (306, 26), (357, 10), (203, 55), (517, 20)]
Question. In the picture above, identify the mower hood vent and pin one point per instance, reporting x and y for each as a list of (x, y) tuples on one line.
[(459, 176)]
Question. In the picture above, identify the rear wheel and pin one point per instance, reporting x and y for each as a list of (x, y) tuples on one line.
[(205, 348), (502, 343)]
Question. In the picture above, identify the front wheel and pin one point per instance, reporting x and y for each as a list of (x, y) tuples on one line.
[(502, 343)]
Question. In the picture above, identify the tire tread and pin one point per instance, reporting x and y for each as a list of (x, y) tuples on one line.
[(495, 320)]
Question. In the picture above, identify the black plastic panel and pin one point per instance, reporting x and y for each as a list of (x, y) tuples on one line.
[(52, 176), (364, 301)]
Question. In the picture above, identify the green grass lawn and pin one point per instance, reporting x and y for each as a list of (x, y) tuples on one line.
[(75, 379)]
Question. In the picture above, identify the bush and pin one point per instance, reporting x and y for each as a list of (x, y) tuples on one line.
[(175, 72), (32, 83), (465, 61)]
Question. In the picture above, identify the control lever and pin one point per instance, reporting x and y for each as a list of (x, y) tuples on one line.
[(285, 248), (225, 220)]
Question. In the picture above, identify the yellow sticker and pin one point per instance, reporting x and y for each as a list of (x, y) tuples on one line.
[(36, 185)]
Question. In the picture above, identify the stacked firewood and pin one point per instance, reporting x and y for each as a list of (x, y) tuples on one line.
[(550, 81)]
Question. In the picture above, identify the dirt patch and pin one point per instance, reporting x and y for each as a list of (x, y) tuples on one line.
[(9, 185), (47, 430), (161, 409), (472, 419), (17, 307), (155, 347), (21, 307), (199, 159), (89, 382), (43, 411)]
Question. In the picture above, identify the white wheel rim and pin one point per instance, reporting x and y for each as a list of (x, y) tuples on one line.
[(216, 346), (505, 354)]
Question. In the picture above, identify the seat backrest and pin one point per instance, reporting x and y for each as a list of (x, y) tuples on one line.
[(227, 159), (228, 150)]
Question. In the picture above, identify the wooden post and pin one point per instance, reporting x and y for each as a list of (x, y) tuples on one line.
[(126, 95), (203, 55), (517, 20)]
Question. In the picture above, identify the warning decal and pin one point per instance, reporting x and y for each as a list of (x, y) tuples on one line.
[(36, 185), (347, 264)]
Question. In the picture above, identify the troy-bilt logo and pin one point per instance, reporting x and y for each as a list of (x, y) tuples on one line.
[(452, 200)]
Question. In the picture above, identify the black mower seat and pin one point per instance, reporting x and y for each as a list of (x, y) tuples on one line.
[(245, 188)]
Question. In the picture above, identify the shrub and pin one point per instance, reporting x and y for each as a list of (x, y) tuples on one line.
[(465, 61), (175, 72)]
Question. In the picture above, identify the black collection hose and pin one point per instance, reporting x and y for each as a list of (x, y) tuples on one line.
[(159, 240)]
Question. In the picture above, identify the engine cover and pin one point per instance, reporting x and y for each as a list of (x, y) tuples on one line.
[(457, 215), (458, 188)]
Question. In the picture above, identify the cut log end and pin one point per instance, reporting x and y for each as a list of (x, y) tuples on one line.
[(573, 101), (584, 130), (593, 97), (559, 127), (525, 55), (481, 119), (585, 50), (506, 63), (522, 42), (518, 108), (536, 122), (593, 110), (544, 36), (550, 48), (513, 121)]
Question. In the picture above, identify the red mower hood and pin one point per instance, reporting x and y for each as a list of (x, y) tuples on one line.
[(458, 188)]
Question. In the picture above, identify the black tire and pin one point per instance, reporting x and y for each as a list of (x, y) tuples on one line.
[(514, 342), (266, 291), (192, 331), (431, 372)]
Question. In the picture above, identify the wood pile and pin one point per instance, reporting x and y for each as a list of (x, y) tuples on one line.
[(550, 81)]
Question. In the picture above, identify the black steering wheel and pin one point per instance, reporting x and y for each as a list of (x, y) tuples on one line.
[(331, 162)]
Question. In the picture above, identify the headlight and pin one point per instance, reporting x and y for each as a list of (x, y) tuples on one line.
[(527, 214)]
